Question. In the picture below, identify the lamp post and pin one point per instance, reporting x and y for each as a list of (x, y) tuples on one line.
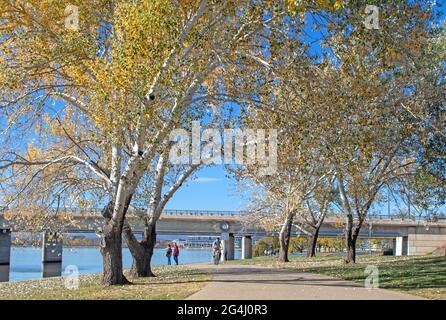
[(388, 203)]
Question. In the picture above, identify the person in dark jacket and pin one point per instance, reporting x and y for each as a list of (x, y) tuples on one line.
[(169, 254)]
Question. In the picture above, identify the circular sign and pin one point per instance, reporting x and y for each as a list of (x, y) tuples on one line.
[(224, 226)]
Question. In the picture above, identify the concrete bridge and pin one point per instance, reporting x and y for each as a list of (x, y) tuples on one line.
[(410, 236)]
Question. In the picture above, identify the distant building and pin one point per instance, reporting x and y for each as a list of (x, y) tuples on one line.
[(206, 241), (199, 241)]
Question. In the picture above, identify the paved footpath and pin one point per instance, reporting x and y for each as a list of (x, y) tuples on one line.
[(241, 282)]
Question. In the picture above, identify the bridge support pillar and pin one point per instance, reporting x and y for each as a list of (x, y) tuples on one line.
[(5, 254), (228, 247), (400, 246), (51, 254), (246, 247)]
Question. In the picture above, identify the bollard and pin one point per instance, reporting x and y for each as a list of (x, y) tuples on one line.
[(51, 254), (246, 247), (229, 247), (5, 254)]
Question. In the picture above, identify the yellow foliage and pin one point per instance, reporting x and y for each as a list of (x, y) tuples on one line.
[(338, 4), (34, 153)]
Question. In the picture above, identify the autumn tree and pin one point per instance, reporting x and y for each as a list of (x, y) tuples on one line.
[(247, 36), (426, 188), (375, 77), (97, 94), (162, 179), (314, 211), (297, 194), (360, 95)]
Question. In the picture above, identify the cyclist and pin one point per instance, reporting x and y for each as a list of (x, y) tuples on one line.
[(216, 250)]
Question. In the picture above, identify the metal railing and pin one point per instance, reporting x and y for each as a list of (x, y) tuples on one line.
[(441, 217), (203, 213), (213, 213), (435, 218)]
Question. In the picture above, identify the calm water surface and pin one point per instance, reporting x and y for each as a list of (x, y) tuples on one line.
[(26, 262)]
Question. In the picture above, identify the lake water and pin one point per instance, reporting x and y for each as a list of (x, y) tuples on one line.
[(26, 261)]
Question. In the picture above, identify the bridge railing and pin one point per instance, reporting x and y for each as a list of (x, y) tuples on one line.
[(371, 217), (202, 213), (96, 212), (436, 218)]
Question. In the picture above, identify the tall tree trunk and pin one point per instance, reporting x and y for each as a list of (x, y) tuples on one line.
[(284, 239), (351, 249), (351, 246), (111, 248), (349, 239), (311, 250), (352, 233), (142, 251)]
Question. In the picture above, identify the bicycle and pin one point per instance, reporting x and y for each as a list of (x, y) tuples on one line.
[(217, 256)]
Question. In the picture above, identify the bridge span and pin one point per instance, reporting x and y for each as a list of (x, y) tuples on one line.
[(410, 236)]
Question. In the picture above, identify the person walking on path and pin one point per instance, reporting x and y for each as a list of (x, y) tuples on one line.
[(216, 250), (169, 254), (176, 252)]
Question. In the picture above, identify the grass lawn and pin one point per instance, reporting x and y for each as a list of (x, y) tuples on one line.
[(418, 275), (170, 283)]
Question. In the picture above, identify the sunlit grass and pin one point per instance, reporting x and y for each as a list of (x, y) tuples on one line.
[(418, 275), (170, 283)]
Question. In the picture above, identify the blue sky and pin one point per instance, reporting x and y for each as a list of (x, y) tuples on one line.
[(211, 190)]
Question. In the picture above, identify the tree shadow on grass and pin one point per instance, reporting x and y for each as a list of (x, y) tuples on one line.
[(424, 273)]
